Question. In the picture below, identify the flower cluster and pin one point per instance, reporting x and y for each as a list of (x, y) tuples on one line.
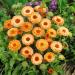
[(37, 41)]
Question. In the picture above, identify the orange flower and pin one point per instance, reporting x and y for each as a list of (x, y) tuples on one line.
[(36, 8), (12, 32), (27, 11), (27, 39), (20, 31), (27, 52), (58, 20), (51, 32), (63, 31), (14, 45), (26, 27), (38, 32), (17, 21), (35, 17), (37, 59), (7, 24), (49, 57), (56, 46), (45, 23), (42, 44)]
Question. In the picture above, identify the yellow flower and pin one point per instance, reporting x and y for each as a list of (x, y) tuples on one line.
[(36, 8), (63, 31), (38, 32), (17, 21), (37, 59), (27, 39), (12, 32), (26, 52), (58, 20), (35, 18), (14, 45), (42, 44), (49, 57), (26, 27), (27, 11), (51, 32), (56, 46), (45, 23), (7, 24)]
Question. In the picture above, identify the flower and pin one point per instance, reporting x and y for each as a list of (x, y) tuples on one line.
[(58, 20), (37, 59), (63, 31), (7, 24), (26, 27), (27, 52), (41, 44), (49, 57), (61, 57), (50, 70), (17, 21), (56, 46), (27, 11), (51, 33), (38, 32), (20, 31), (14, 45), (36, 8), (35, 18), (27, 39), (12, 32), (45, 23)]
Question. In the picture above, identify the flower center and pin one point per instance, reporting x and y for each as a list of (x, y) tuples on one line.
[(27, 11), (42, 44), (17, 20), (26, 26), (27, 38), (35, 17), (38, 31), (26, 51), (36, 58), (51, 33), (14, 44), (49, 56), (45, 23), (57, 46), (58, 20), (64, 30)]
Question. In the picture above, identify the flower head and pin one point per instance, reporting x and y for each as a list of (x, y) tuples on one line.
[(37, 59)]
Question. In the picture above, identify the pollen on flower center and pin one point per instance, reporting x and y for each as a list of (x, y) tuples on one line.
[(17, 20), (57, 46), (36, 58), (27, 11)]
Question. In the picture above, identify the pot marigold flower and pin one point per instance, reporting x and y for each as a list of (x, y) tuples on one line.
[(38, 32), (45, 23), (51, 32), (42, 44), (35, 18), (12, 32), (58, 20), (14, 45), (36, 8), (20, 31), (56, 46), (7, 24), (49, 57), (63, 31), (27, 39), (37, 59), (27, 11), (17, 21), (26, 27), (27, 52)]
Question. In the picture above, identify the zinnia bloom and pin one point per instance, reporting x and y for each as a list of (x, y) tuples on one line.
[(7, 24), (37, 59), (27, 11), (51, 33), (58, 20), (56, 46), (27, 39), (27, 52), (38, 32), (26, 27), (45, 23), (12, 32), (63, 31), (17, 21), (14, 45), (49, 57), (35, 18), (42, 44)]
